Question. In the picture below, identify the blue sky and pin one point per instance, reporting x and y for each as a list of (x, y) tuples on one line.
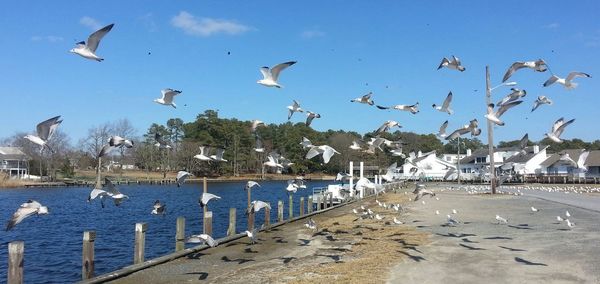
[(344, 49)]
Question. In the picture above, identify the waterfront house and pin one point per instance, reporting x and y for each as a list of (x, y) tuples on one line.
[(477, 164), (593, 164), (13, 162), (528, 162)]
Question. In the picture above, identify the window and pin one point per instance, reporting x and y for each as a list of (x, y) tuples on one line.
[(480, 160)]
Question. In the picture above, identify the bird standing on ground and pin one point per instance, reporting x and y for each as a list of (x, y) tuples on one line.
[(270, 76), (89, 50), (311, 224), (501, 220)]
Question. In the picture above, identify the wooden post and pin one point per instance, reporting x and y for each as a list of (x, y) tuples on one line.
[(291, 206), (204, 190), (331, 200), (318, 202), (231, 229), (87, 260), (301, 206), (140, 242), (310, 204), (267, 217), (15, 262), (251, 221), (280, 211), (208, 222), (180, 234)]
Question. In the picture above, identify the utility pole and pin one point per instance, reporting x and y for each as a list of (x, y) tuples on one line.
[(490, 131), (458, 159)]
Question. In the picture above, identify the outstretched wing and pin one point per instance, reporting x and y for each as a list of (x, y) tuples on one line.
[(445, 60), (506, 107), (447, 101), (561, 128), (46, 128), (574, 75), (94, 39), (328, 153), (442, 132), (314, 151), (279, 67), (550, 81), (513, 68)]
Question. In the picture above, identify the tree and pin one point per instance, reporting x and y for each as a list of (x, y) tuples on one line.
[(175, 127)]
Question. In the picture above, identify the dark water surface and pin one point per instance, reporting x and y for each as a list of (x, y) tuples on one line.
[(53, 242)]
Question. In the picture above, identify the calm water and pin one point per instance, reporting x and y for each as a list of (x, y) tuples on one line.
[(53, 242)]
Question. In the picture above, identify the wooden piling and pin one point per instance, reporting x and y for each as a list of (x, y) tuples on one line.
[(140, 242), (87, 260), (268, 217), (318, 202), (310, 205), (208, 223), (180, 234), (331, 200), (231, 228), (291, 207), (251, 221), (15, 262), (280, 211), (301, 206)]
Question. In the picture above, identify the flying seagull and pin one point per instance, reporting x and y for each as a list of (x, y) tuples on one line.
[(326, 150), (442, 132), (580, 163), (45, 130), (218, 156), (387, 125), (356, 145), (541, 100), (310, 116), (203, 154), (270, 76), (114, 193), (515, 95), (495, 116), (98, 193), (159, 208), (250, 184), (420, 191), (118, 141), (181, 177), (445, 107), (414, 109), (206, 197), (202, 238), (256, 123), (366, 99), (523, 143), (167, 97), (295, 107), (566, 82), (256, 205), (538, 65), (271, 162), (452, 64), (252, 235), (458, 132), (25, 210), (557, 129), (160, 142), (306, 143), (259, 148), (89, 50)]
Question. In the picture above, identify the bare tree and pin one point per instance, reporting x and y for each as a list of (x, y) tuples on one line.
[(123, 128)]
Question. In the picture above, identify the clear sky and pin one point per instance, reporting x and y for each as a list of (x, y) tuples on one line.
[(344, 49)]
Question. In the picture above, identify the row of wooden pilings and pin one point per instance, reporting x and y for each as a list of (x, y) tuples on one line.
[(16, 248)]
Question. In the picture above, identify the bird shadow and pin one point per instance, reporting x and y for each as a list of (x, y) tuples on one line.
[(335, 258), (331, 238), (469, 241), (336, 249), (336, 223), (470, 247), (498, 238), (238, 260), (304, 243), (512, 249), (195, 255), (412, 248), (452, 235), (423, 226), (519, 227), (396, 235), (358, 234), (249, 250), (281, 241), (203, 275), (287, 260), (340, 232), (527, 262), (413, 257), (417, 221), (563, 229)]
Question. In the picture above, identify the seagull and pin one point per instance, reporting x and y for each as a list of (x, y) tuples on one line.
[(414, 109), (445, 107), (569, 223), (567, 82), (451, 173), (326, 150), (270, 76), (366, 99), (557, 129), (259, 148), (437, 212), (378, 217), (538, 65), (250, 184), (167, 97), (271, 162), (495, 116), (355, 145), (474, 127), (206, 197), (25, 210), (202, 238), (98, 193), (256, 205), (580, 163), (533, 209), (105, 150), (114, 193), (45, 130), (118, 141), (567, 213), (203, 154), (159, 209), (515, 95), (160, 142), (452, 64), (252, 235), (89, 50), (306, 143), (442, 132), (311, 224), (420, 191), (458, 132), (387, 125), (396, 221), (181, 177), (454, 211), (541, 100), (292, 187), (295, 107), (501, 220), (451, 221), (559, 219), (256, 123), (218, 156), (310, 116)]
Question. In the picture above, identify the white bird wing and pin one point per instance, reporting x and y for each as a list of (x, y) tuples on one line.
[(260, 205), (581, 160), (46, 128), (328, 153), (561, 128), (110, 187), (94, 39), (19, 215), (314, 151), (457, 133), (181, 176), (513, 68), (551, 80), (506, 107), (265, 72), (447, 101), (279, 67), (168, 94), (557, 124), (574, 75), (209, 240), (442, 132), (206, 197)]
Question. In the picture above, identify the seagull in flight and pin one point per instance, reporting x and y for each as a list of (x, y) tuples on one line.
[(580, 163), (114, 193), (89, 50), (250, 184), (442, 132), (25, 210), (306, 143), (355, 145), (414, 109), (118, 141), (181, 177), (203, 154), (366, 99), (295, 107), (167, 97), (310, 116), (541, 100), (45, 130), (445, 107), (218, 156), (160, 142), (515, 95), (326, 150), (387, 125), (159, 208), (258, 148), (452, 64), (270, 76), (271, 162), (495, 116), (538, 65), (206, 197), (566, 82), (420, 191), (557, 129), (202, 238), (256, 205), (256, 123)]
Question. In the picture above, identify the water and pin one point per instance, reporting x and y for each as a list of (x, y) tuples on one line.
[(53, 242)]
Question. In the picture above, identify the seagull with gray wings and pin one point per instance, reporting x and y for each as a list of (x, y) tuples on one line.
[(538, 65), (541, 100), (202, 238), (118, 141), (206, 197), (113, 192), (445, 107), (160, 142), (442, 132), (181, 177), (580, 163), (167, 97), (295, 107), (495, 116), (557, 129), (310, 116), (326, 150), (386, 126), (26, 209), (45, 130), (453, 64), (366, 99), (270, 76), (256, 205), (515, 95), (414, 109), (421, 191), (566, 82), (88, 50)]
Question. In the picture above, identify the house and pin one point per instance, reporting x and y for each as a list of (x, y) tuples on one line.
[(528, 162), (427, 166), (478, 162), (593, 164), (13, 162), (554, 165), (453, 158)]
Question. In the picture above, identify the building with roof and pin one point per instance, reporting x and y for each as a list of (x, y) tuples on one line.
[(529, 161), (427, 166), (554, 165), (13, 162), (477, 164)]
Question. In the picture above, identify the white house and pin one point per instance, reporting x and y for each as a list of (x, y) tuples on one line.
[(529, 162), (13, 162), (593, 164), (553, 165), (478, 162), (426, 165)]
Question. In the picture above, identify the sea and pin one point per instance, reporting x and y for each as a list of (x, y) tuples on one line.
[(53, 242)]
